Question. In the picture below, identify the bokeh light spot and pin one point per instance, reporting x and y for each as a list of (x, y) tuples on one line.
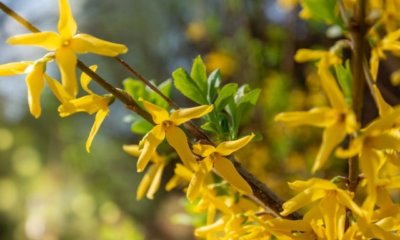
[(7, 139), (26, 161), (8, 193)]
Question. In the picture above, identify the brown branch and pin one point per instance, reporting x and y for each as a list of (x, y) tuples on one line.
[(358, 31), (260, 190), (125, 98)]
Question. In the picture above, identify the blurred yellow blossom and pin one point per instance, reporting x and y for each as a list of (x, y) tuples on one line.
[(195, 31), (222, 61)]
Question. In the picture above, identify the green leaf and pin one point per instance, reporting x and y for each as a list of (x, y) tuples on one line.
[(345, 79), (214, 81), (250, 97), (322, 10), (141, 126), (245, 102), (135, 88), (165, 88), (199, 74), (185, 84), (232, 110), (224, 95), (210, 127)]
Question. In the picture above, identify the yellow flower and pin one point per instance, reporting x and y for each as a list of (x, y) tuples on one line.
[(166, 126), (333, 202), (369, 146), (214, 157), (337, 121), (91, 103), (237, 218), (66, 44), (182, 176), (35, 79), (391, 42), (151, 181)]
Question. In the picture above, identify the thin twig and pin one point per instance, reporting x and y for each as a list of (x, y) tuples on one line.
[(260, 190), (146, 82), (18, 18)]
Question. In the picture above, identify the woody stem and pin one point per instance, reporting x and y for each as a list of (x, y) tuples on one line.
[(358, 31)]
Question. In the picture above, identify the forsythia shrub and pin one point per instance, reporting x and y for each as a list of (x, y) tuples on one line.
[(361, 205)]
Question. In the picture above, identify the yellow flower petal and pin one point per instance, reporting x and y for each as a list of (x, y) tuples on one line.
[(196, 184), (369, 165), (394, 182), (89, 104), (305, 55), (334, 217), (279, 224), (300, 186), (66, 24), (58, 90), (384, 142), (320, 117), (203, 231), (207, 163), (227, 171), (372, 231), (302, 199), (350, 232), (14, 68), (132, 149), (183, 115), (354, 149), (330, 86), (173, 183), (374, 63), (47, 40), (100, 116), (384, 200), (203, 150), (183, 172), (150, 142), (66, 61), (85, 80), (156, 180), (332, 136), (85, 43), (228, 147), (383, 123), (145, 182), (178, 140), (35, 83), (158, 114), (383, 106)]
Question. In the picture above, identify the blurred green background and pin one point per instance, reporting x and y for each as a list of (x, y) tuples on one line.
[(51, 188)]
